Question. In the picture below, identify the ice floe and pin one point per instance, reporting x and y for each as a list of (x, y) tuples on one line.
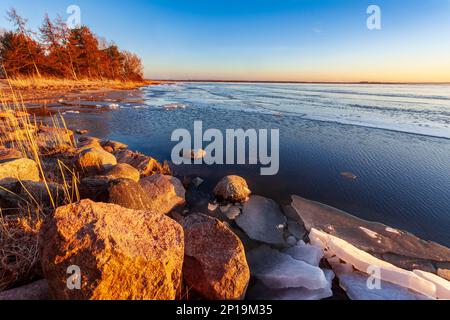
[(277, 270), (261, 292), (442, 285), (261, 219), (355, 285), (397, 247), (364, 262), (306, 252)]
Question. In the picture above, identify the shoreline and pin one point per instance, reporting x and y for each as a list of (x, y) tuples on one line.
[(51, 90)]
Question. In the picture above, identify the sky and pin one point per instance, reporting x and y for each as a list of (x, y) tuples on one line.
[(271, 40)]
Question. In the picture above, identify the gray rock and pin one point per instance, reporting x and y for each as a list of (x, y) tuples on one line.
[(260, 219)]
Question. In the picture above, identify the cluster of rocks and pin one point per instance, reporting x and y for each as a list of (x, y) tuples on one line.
[(122, 236)]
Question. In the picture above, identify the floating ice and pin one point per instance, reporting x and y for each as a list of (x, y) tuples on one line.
[(113, 106), (442, 285), (397, 247), (307, 253), (355, 285), (261, 219), (363, 261), (279, 271), (173, 106), (260, 292), (71, 112)]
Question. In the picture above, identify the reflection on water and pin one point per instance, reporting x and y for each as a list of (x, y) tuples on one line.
[(403, 178)]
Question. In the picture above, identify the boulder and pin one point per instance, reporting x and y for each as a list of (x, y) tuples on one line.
[(114, 145), (94, 161), (124, 171), (147, 166), (22, 169), (165, 192), (215, 265), (261, 219), (35, 291), (85, 143), (122, 254), (129, 194), (277, 270), (232, 188), (95, 188)]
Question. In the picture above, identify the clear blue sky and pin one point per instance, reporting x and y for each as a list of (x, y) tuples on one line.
[(314, 40)]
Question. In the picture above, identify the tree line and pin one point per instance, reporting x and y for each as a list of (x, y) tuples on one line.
[(57, 51)]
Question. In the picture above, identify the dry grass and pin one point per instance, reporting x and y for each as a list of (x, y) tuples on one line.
[(19, 232), (18, 249), (36, 83)]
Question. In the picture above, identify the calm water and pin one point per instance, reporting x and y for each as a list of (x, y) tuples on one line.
[(395, 138)]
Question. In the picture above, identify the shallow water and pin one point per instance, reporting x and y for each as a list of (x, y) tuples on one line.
[(395, 138)]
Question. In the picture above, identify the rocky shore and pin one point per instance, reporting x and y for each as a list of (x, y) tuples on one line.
[(134, 231)]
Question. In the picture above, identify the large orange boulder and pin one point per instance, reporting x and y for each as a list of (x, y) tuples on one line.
[(215, 265), (122, 254), (20, 169)]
